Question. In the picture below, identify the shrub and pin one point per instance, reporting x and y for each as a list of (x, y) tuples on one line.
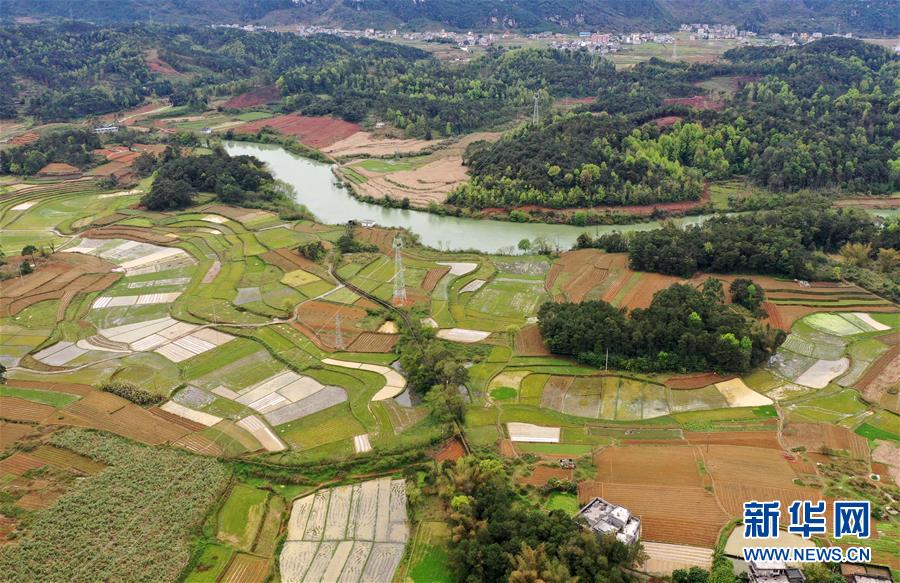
[(132, 393)]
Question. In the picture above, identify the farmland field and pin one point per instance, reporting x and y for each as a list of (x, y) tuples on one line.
[(173, 492)]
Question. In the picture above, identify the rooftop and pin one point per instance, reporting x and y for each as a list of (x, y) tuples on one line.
[(606, 518)]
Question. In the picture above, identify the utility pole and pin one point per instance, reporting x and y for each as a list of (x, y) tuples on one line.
[(536, 116), (399, 298), (338, 333), (607, 359)]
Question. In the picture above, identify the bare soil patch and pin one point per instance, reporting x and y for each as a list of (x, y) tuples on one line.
[(371, 145), (254, 98), (762, 439), (700, 102), (540, 475), (694, 381), (816, 436), (17, 409), (374, 342), (452, 451), (748, 465), (882, 375), (62, 275), (315, 132), (675, 515), (530, 343), (672, 465)]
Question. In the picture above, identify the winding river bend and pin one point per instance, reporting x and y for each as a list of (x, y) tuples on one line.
[(330, 202)]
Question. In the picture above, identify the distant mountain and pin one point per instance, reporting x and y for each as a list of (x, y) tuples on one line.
[(862, 17)]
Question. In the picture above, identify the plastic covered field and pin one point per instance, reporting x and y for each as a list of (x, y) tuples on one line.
[(349, 533)]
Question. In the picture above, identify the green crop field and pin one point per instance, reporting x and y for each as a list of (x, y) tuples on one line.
[(211, 564), (384, 165), (37, 396), (241, 516)]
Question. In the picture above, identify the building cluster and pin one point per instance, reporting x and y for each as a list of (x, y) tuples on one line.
[(605, 518), (702, 31)]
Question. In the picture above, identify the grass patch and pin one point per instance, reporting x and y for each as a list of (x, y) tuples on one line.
[(572, 449), (561, 501), (39, 396), (241, 516), (504, 393), (211, 564)]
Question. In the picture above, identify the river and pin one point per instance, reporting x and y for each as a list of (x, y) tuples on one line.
[(318, 189)]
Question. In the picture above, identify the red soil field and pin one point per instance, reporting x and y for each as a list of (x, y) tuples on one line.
[(641, 294), (670, 465), (695, 381), (177, 419), (199, 444), (452, 451), (381, 238), (748, 465), (315, 132), (111, 413), (882, 375), (19, 463), (542, 474), (432, 277), (763, 439), (507, 449), (71, 388), (815, 436), (16, 409), (246, 569), (774, 316), (667, 121), (697, 102), (288, 260), (676, 515), (12, 432), (582, 271), (24, 139), (732, 495), (61, 275), (530, 343), (555, 391), (374, 342), (256, 97)]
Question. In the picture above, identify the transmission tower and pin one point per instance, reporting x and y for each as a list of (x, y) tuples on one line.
[(536, 116), (338, 334), (399, 283)]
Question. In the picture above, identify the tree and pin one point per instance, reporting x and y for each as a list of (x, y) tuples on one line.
[(692, 575), (29, 250), (524, 245), (167, 194), (713, 290), (446, 404), (25, 268), (888, 260), (314, 251), (857, 254), (822, 573), (745, 292), (532, 565)]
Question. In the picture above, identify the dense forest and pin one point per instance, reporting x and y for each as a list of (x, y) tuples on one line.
[(683, 329), (814, 117), (858, 16), (69, 146), (72, 70), (794, 241), (238, 180)]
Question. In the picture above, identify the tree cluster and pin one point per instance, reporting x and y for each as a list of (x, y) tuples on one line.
[(498, 536), (820, 116), (238, 180), (683, 329), (69, 146), (773, 242)]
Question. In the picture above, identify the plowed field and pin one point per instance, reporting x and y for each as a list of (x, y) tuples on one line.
[(315, 132)]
